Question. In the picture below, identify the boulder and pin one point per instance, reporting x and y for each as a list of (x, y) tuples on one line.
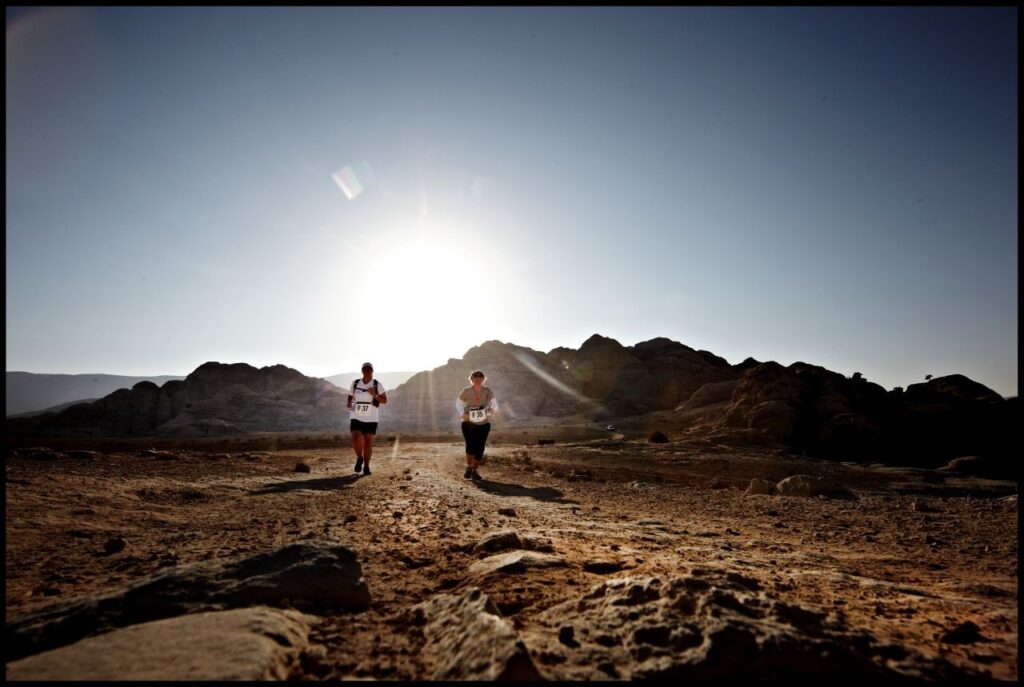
[(256, 643), (498, 541), (515, 562), (467, 639), (315, 573)]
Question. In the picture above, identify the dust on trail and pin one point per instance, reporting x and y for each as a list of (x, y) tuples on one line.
[(622, 508)]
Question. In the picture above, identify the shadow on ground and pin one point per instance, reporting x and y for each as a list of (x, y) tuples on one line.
[(318, 484), (540, 493)]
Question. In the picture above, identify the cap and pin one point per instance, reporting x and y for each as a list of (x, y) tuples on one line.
[(367, 365)]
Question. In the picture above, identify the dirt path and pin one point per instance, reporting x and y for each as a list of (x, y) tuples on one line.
[(907, 573)]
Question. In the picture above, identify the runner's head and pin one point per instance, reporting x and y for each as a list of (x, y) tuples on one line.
[(477, 377), (367, 370)]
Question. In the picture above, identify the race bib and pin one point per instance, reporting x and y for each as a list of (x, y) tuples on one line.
[(477, 415), (363, 408)]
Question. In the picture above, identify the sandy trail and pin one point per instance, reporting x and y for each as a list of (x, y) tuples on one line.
[(905, 575)]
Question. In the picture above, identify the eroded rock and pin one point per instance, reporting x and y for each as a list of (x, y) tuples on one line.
[(516, 561), (467, 639), (498, 541), (315, 573), (244, 644), (715, 624)]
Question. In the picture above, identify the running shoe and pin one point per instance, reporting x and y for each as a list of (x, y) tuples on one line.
[(476, 476), (359, 464), (468, 474), (366, 470)]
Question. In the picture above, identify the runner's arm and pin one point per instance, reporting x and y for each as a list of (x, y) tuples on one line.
[(460, 408)]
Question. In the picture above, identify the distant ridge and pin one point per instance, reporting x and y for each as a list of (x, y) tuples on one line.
[(36, 392), (390, 380), (53, 409)]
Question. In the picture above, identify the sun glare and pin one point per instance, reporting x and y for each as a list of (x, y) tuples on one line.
[(431, 293)]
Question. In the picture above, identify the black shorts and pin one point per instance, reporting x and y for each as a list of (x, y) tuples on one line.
[(364, 427), (476, 437)]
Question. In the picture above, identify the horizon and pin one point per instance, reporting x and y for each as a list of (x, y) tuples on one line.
[(302, 186), (547, 351)]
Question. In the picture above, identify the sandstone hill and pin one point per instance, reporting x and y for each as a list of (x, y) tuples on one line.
[(823, 413), (601, 379), (216, 398)]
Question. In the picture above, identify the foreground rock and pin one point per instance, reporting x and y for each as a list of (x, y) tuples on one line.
[(498, 541), (713, 625), (243, 644), (515, 562), (315, 574), (467, 639)]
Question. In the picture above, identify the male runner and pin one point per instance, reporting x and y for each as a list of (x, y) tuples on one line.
[(365, 395)]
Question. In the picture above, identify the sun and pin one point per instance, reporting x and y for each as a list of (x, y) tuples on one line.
[(432, 292)]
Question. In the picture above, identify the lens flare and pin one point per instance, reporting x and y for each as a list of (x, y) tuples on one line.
[(354, 179), (530, 364)]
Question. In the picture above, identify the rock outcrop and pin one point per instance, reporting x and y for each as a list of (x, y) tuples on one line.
[(244, 644), (814, 410), (714, 624), (311, 574), (467, 639)]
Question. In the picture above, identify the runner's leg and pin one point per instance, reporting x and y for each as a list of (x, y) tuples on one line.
[(357, 446), (485, 430), (367, 448), (467, 429)]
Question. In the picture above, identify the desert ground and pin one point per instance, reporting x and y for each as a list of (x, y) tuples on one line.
[(921, 559)]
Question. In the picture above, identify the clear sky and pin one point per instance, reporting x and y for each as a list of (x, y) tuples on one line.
[(322, 186)]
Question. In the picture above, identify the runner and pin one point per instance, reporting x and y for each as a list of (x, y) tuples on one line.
[(475, 405), (365, 395)]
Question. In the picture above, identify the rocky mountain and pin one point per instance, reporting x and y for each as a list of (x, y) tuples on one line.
[(32, 392), (655, 385), (216, 398), (601, 379), (811, 409)]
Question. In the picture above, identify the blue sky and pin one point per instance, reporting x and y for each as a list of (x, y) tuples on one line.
[(832, 185)]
